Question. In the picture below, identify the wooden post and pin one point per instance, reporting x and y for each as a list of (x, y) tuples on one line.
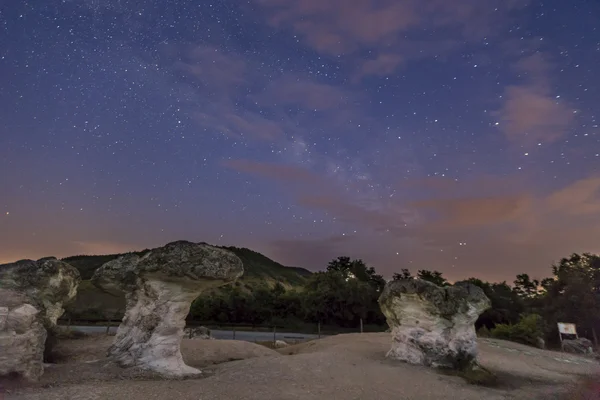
[(361, 325), (107, 327), (274, 334), (234, 332), (319, 329)]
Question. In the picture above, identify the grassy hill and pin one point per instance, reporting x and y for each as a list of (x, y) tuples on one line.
[(94, 304)]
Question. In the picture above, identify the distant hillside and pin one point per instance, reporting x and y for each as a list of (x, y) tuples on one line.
[(91, 303), (88, 264), (257, 265)]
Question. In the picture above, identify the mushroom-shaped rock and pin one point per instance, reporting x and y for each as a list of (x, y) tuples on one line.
[(432, 325), (32, 296), (159, 289)]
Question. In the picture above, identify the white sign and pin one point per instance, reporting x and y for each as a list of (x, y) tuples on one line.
[(567, 329)]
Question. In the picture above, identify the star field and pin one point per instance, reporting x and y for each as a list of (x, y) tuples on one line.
[(459, 136)]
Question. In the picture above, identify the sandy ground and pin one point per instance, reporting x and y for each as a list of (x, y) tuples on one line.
[(341, 367)]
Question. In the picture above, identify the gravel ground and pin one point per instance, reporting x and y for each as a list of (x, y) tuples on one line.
[(341, 367)]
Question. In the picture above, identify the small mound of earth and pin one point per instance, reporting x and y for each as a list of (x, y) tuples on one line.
[(337, 368)]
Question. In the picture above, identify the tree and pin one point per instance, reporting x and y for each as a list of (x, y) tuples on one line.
[(340, 264), (356, 269), (433, 277), (525, 287), (344, 294), (506, 306), (573, 295), (546, 285), (405, 274)]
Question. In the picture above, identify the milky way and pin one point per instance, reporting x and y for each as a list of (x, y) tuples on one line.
[(460, 136)]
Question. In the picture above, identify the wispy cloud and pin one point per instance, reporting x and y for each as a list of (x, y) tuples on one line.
[(333, 28), (490, 215), (531, 113)]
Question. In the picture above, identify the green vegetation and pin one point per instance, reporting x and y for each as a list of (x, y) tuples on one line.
[(531, 308), (260, 273), (258, 266), (527, 331), (344, 296), (340, 296)]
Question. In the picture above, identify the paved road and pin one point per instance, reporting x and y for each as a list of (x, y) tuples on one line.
[(219, 334)]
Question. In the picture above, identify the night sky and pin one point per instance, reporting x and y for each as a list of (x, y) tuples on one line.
[(457, 135)]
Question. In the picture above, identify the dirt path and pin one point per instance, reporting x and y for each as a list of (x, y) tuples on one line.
[(341, 367)]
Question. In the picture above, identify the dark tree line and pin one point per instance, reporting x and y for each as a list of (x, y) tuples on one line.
[(347, 292), (342, 295)]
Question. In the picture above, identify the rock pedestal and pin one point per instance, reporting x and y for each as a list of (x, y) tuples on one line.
[(431, 325), (159, 289), (32, 296)]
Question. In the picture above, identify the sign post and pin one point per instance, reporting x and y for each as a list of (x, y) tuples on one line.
[(566, 329)]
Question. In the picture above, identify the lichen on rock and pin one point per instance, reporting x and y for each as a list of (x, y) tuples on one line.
[(159, 289), (431, 325), (32, 296)]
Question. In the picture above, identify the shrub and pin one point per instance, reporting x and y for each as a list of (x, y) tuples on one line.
[(526, 331)]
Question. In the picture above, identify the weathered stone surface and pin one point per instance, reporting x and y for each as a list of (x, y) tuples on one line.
[(48, 283), (22, 343), (431, 325), (32, 296), (159, 288), (578, 346), (200, 332)]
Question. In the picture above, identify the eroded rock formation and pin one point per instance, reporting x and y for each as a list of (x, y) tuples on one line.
[(32, 296), (159, 288), (431, 325)]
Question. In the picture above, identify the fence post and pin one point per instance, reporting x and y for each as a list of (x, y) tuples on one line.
[(234, 332), (361, 326), (274, 334), (319, 329), (107, 327)]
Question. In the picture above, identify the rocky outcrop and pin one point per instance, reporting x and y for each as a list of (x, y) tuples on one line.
[(32, 296), (431, 325), (159, 289), (578, 346)]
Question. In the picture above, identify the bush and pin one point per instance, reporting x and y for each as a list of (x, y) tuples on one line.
[(526, 331)]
